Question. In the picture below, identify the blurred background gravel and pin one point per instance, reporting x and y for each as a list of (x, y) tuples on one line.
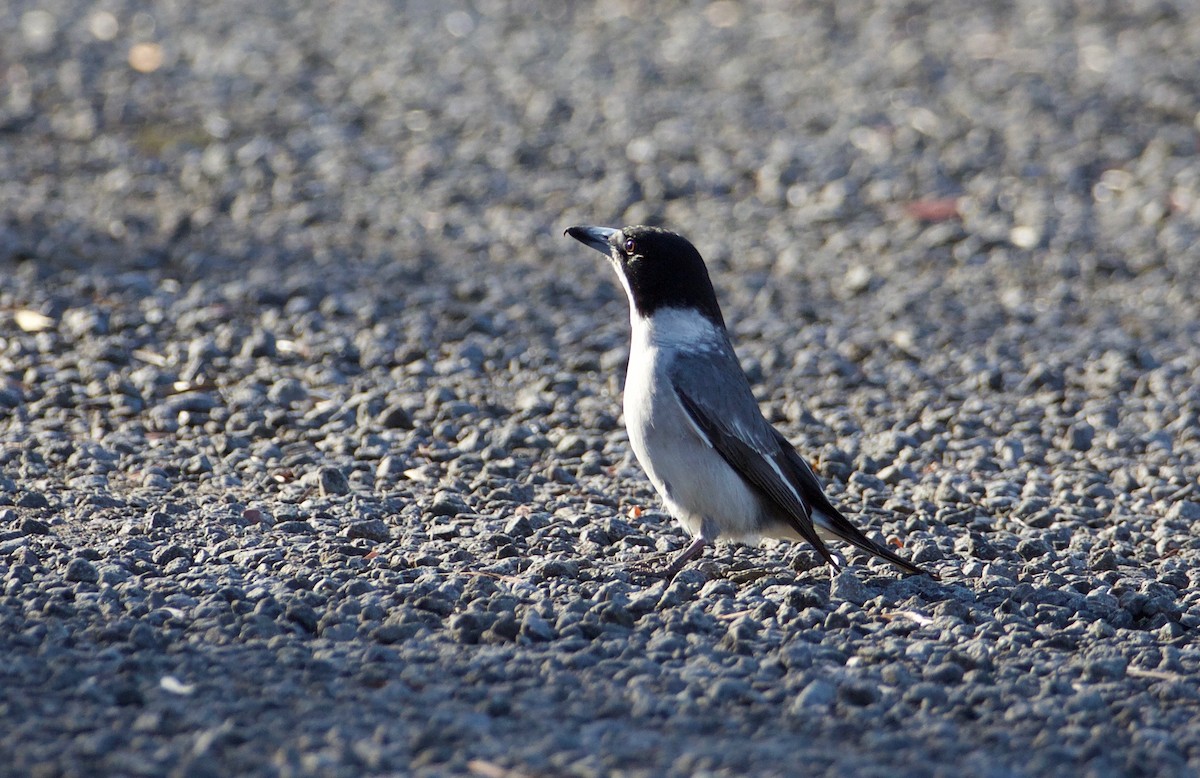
[(310, 451)]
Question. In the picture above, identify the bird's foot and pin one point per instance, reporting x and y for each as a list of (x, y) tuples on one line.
[(651, 568), (645, 572)]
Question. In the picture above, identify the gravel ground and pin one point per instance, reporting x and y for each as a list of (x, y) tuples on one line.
[(311, 459)]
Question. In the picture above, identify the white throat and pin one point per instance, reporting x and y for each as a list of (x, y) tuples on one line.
[(674, 329)]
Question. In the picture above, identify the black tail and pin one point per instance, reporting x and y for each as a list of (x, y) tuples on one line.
[(828, 518), (837, 525)]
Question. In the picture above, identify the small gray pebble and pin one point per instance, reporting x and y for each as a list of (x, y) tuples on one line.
[(729, 690), (923, 552), (32, 500), (31, 526), (859, 693), (572, 446), (817, 694), (331, 481), (261, 343), (518, 527), (925, 694), (395, 417), (391, 468), (156, 481), (448, 504), (142, 635), (1105, 560), (1185, 510), (393, 633), (1105, 668), (1032, 548), (536, 628), (9, 398), (372, 529), (945, 674), (466, 627), (165, 554), (187, 402), (81, 570), (504, 628), (339, 632), (303, 615), (867, 482), (1043, 519), (1080, 436), (286, 392), (555, 568), (846, 586), (897, 474)]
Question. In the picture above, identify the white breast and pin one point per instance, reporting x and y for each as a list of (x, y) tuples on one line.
[(697, 486)]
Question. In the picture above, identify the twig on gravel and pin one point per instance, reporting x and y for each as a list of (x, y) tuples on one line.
[(1158, 675), (1183, 492), (919, 618), (487, 769)]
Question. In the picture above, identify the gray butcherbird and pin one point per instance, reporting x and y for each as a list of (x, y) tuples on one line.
[(722, 470)]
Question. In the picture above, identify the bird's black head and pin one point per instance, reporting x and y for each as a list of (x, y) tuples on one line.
[(658, 268)]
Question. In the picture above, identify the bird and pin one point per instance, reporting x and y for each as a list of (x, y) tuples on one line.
[(722, 470)]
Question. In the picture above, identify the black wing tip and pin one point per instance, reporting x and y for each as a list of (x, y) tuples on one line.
[(855, 537), (910, 570)]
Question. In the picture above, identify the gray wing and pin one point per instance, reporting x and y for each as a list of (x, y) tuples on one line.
[(716, 395), (727, 414)]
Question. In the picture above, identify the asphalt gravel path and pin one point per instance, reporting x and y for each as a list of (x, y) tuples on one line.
[(311, 458)]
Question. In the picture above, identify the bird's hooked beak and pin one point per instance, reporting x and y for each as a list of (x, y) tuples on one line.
[(596, 237)]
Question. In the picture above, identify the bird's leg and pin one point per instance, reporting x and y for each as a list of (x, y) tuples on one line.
[(688, 554), (649, 566)]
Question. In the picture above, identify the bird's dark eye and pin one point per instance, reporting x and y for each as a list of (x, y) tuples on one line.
[(630, 246)]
